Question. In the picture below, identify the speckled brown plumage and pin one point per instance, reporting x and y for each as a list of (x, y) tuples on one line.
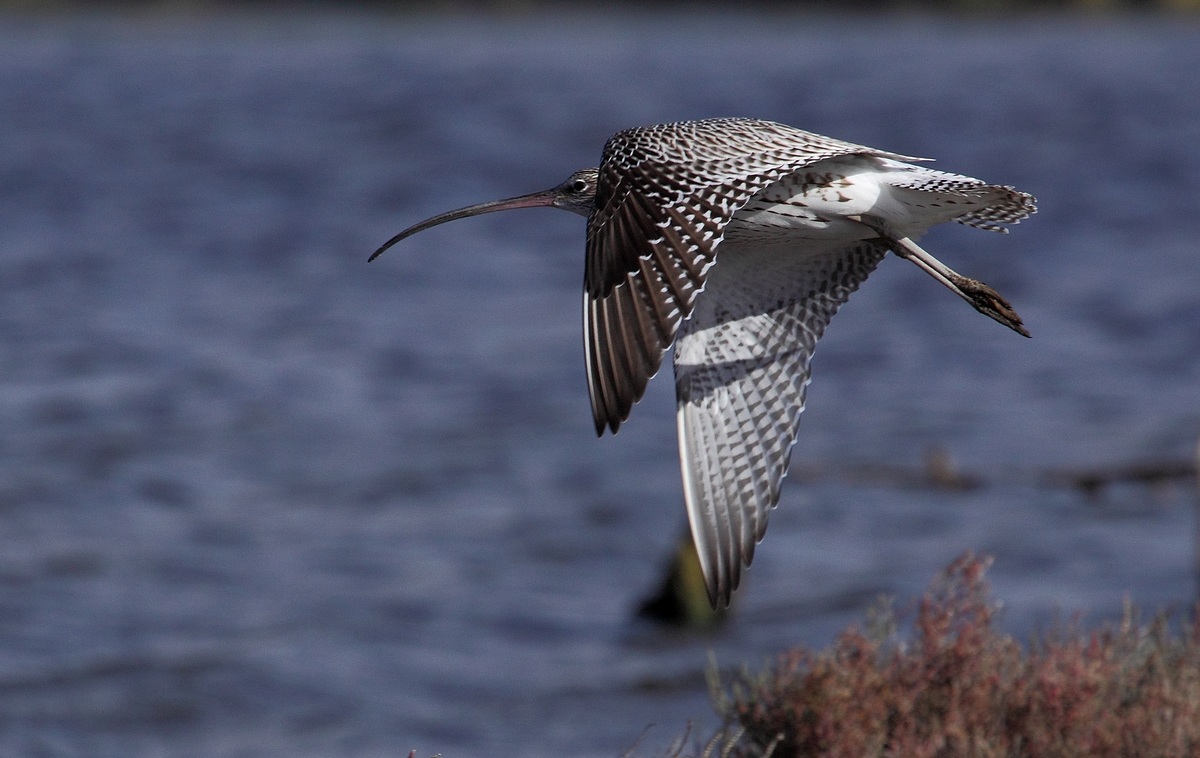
[(742, 237)]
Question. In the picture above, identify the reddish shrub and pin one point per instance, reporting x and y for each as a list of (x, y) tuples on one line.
[(959, 688)]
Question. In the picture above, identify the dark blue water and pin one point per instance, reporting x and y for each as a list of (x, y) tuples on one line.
[(258, 498)]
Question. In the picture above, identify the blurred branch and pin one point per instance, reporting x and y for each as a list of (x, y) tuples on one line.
[(939, 471)]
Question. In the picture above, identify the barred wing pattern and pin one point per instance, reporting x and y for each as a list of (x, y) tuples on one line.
[(664, 197), (741, 370)]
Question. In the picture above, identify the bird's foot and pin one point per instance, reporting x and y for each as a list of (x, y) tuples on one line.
[(989, 302)]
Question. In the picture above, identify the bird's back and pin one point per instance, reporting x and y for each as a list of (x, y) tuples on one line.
[(822, 202)]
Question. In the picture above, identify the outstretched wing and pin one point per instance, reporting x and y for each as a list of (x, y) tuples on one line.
[(741, 369), (664, 197)]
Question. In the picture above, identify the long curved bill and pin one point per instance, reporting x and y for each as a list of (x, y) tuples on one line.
[(533, 200)]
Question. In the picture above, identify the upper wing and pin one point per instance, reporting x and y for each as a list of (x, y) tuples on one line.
[(664, 197), (741, 369)]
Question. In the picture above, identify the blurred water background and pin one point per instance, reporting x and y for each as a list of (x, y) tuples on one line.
[(258, 498)]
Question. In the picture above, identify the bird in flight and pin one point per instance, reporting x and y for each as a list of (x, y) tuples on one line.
[(737, 240)]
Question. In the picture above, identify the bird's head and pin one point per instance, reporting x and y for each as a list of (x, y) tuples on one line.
[(577, 194)]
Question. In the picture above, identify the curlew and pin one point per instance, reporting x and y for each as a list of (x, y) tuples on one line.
[(799, 221)]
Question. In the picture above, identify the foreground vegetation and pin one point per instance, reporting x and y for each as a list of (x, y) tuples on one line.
[(957, 687)]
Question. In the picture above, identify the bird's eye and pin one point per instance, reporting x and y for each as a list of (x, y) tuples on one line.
[(579, 185)]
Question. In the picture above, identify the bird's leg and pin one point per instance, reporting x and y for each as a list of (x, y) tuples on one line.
[(981, 297)]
